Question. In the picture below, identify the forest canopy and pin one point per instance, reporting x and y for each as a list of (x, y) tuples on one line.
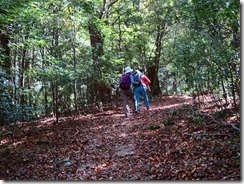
[(59, 56)]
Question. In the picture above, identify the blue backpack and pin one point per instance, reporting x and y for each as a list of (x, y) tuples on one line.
[(137, 77), (125, 82)]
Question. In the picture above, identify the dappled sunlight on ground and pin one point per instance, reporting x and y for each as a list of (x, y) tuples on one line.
[(167, 106), (151, 145)]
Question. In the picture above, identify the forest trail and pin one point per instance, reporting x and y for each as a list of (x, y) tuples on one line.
[(158, 144)]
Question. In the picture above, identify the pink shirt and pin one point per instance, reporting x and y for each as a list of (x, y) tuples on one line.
[(145, 80)]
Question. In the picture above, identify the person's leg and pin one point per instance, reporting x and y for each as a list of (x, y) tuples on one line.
[(126, 104), (146, 99), (132, 98), (138, 98)]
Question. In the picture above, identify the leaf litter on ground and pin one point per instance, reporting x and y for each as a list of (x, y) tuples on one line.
[(165, 143)]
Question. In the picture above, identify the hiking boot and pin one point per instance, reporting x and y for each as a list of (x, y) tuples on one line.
[(135, 112)]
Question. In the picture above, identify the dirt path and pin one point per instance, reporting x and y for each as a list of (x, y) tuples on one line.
[(108, 146), (120, 148)]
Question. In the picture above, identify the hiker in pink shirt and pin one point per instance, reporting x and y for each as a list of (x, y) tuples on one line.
[(145, 80)]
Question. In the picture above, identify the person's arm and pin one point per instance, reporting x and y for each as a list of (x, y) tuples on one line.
[(132, 80)]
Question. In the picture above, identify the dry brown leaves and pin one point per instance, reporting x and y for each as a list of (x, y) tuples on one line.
[(164, 143)]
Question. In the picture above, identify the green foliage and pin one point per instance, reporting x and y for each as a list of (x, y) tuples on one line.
[(198, 119), (10, 109), (199, 48), (202, 54), (154, 127)]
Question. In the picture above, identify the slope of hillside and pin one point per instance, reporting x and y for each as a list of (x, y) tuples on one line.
[(172, 141)]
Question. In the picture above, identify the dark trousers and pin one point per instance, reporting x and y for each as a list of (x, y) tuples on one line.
[(128, 95)]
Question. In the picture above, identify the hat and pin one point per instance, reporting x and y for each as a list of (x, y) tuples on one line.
[(128, 69)]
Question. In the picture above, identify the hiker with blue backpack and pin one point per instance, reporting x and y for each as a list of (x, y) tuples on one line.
[(141, 88), (125, 85)]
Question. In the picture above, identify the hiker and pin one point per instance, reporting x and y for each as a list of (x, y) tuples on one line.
[(145, 80), (141, 89), (125, 85)]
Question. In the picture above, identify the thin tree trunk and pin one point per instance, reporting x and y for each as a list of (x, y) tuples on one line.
[(175, 84), (54, 84), (232, 86), (23, 68), (74, 65), (45, 91), (56, 102), (224, 91), (45, 99), (53, 100)]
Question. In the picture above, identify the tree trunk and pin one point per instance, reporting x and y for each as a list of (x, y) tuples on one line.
[(55, 53), (224, 91), (233, 85), (46, 99), (24, 65), (45, 91), (96, 40), (54, 87), (75, 82), (4, 40), (154, 67), (175, 84), (5, 65)]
